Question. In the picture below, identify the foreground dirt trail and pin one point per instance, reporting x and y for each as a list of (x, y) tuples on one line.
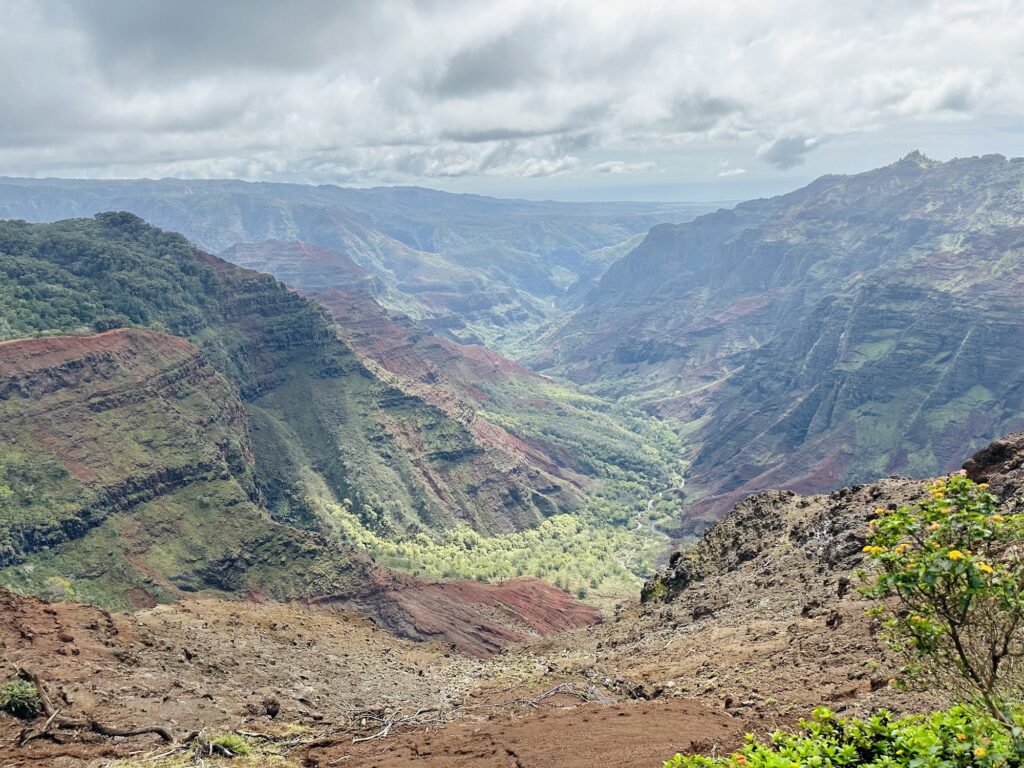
[(629, 735), (269, 668)]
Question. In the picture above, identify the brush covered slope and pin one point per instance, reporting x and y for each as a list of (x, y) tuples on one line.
[(475, 267), (763, 615), (618, 531), (313, 407), (861, 326), (128, 478), (316, 435), (137, 421)]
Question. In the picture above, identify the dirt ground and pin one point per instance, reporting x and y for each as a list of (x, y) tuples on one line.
[(636, 734), (215, 666)]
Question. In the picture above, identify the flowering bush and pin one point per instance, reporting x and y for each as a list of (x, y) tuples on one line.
[(950, 586), (956, 738)]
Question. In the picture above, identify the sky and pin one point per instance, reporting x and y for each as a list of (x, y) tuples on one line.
[(543, 99)]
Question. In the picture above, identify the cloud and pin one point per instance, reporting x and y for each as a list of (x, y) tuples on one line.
[(731, 172), (788, 151), (401, 91), (501, 63), (621, 166)]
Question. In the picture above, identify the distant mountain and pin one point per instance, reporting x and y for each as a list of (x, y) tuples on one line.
[(304, 265), (477, 268), (860, 326), (173, 422)]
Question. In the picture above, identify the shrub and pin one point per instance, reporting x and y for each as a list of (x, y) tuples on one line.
[(233, 743), (950, 585), (957, 738), (20, 698)]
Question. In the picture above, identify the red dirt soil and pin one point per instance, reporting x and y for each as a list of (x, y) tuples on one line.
[(638, 734), (27, 356), (476, 619)]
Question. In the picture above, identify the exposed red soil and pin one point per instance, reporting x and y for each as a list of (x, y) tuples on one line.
[(405, 349), (27, 356), (212, 665), (209, 664), (476, 619), (639, 734), (302, 263)]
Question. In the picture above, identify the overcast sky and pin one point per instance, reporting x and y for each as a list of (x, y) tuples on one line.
[(710, 100)]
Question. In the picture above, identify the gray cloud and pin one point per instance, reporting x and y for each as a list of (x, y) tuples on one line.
[(695, 112), (400, 91), (155, 39), (788, 151), (501, 63)]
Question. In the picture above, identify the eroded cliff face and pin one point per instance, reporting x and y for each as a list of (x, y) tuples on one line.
[(98, 424), (325, 426), (128, 476), (861, 326)]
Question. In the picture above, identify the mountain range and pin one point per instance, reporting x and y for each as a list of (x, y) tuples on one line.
[(477, 268), (861, 326), (171, 416)]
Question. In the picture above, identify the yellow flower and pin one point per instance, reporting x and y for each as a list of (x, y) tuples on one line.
[(916, 619), (934, 526), (983, 485), (961, 737), (873, 550), (955, 554), (985, 567), (901, 548), (997, 519), (980, 752)]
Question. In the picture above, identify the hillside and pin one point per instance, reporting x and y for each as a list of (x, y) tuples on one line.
[(425, 475), (477, 268), (746, 631), (861, 326), (129, 479), (762, 617), (309, 400)]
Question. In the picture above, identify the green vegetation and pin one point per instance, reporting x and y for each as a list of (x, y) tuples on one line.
[(949, 581), (606, 440), (592, 553), (89, 275), (19, 698), (957, 738), (950, 584), (425, 494), (237, 745)]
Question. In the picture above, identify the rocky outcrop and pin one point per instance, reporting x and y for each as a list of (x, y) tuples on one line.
[(1001, 465), (763, 616), (765, 534)]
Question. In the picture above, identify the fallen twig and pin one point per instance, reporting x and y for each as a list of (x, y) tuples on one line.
[(84, 724)]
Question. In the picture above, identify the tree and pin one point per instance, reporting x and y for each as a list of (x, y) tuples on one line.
[(950, 585)]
